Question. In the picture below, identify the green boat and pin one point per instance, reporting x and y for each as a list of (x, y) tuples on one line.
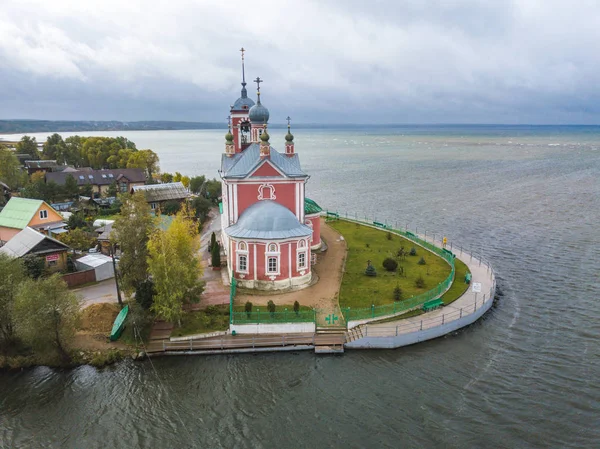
[(119, 324)]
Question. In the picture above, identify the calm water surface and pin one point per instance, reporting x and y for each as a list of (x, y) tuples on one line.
[(526, 375)]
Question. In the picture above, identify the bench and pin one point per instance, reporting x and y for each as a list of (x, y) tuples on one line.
[(447, 251), (468, 278), (379, 225), (432, 305)]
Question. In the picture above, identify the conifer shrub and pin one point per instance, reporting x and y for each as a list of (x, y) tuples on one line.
[(390, 264), (296, 307), (215, 255), (397, 293), (420, 282), (413, 251), (248, 308), (422, 261), (370, 271), (389, 236), (213, 240), (271, 308)]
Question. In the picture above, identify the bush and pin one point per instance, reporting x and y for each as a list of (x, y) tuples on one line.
[(370, 271), (420, 282), (271, 308), (413, 251), (388, 236), (422, 261), (213, 240), (216, 255), (144, 294), (390, 264), (171, 207), (367, 245), (212, 310), (248, 308), (401, 254), (397, 293), (296, 307)]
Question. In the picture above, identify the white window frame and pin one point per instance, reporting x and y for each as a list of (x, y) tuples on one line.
[(301, 264), (43, 214), (276, 259), (242, 251), (153, 206), (243, 257), (270, 254), (301, 248)]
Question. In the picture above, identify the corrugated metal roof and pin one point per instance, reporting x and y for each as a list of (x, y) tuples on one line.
[(85, 176), (163, 192), (94, 260), (244, 163), (24, 242), (18, 212), (268, 220), (311, 207)]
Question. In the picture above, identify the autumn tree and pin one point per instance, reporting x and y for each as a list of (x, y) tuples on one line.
[(144, 159), (196, 184), (47, 314), (55, 148), (71, 189), (13, 274), (133, 227), (10, 169), (78, 239), (174, 264), (166, 177), (28, 145)]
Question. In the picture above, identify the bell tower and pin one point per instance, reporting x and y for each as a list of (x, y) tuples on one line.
[(240, 122)]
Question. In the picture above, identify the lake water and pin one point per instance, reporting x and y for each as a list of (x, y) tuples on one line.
[(526, 375)]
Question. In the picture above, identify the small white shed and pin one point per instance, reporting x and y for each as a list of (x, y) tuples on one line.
[(100, 263)]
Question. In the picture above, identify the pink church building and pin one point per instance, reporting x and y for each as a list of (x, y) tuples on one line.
[(269, 228)]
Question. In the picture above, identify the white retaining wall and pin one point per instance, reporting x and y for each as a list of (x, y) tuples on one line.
[(396, 341), (278, 328)]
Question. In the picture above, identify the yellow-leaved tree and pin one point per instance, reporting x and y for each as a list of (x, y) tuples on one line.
[(174, 264)]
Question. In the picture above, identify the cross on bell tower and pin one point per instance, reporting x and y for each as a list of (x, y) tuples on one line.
[(258, 81)]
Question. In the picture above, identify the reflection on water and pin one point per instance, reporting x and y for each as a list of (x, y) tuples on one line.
[(524, 376)]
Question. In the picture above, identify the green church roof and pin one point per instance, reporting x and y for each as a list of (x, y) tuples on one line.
[(18, 212), (310, 207)]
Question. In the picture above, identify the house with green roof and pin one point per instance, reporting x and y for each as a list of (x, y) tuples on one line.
[(20, 213)]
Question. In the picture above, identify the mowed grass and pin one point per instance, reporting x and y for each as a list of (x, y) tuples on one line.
[(214, 318), (459, 286), (359, 290)]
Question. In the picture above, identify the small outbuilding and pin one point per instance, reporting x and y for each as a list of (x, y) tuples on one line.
[(100, 263), (31, 242)]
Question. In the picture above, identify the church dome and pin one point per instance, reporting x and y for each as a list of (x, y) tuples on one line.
[(242, 104), (268, 220), (258, 113)]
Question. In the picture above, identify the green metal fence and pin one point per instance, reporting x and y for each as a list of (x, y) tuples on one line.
[(258, 316), (410, 303)]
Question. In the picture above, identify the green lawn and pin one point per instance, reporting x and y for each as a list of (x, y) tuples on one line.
[(215, 318), (365, 243)]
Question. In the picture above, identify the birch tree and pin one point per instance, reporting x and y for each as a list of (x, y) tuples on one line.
[(174, 265)]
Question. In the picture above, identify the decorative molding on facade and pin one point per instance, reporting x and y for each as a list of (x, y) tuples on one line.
[(261, 192)]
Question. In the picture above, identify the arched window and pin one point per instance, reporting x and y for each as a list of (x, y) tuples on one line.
[(242, 257), (272, 259), (301, 255)]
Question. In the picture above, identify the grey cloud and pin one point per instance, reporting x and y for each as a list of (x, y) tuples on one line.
[(333, 62)]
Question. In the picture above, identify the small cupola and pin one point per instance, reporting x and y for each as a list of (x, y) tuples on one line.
[(229, 144), (289, 140), (258, 115), (265, 146)]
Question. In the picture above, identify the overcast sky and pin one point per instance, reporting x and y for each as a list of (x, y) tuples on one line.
[(347, 61)]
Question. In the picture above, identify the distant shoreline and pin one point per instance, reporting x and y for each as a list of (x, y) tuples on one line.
[(82, 126)]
